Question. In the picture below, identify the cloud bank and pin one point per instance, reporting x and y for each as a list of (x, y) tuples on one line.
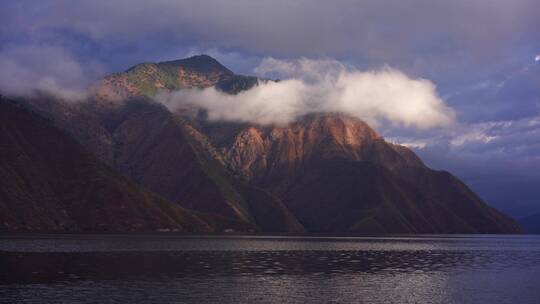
[(28, 69), (421, 37), (314, 86)]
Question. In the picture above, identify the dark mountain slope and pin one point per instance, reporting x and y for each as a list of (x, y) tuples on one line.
[(49, 182), (451, 193), (347, 196)]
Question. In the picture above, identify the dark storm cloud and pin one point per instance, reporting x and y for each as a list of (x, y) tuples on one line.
[(385, 31), (433, 39)]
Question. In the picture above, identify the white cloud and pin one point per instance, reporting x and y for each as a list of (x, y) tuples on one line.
[(50, 69), (272, 102), (385, 95), (475, 135), (507, 137), (410, 143)]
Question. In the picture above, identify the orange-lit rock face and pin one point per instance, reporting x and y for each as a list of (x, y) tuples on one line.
[(259, 150)]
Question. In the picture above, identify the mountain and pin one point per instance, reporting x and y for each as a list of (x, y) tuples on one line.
[(166, 154), (336, 174), (321, 173), (146, 79), (531, 223), (49, 182)]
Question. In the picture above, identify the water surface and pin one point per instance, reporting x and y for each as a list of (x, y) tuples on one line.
[(180, 269)]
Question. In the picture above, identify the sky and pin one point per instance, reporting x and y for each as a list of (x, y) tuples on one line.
[(475, 60)]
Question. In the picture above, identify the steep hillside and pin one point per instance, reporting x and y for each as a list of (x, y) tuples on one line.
[(166, 154), (144, 141), (49, 182), (336, 174)]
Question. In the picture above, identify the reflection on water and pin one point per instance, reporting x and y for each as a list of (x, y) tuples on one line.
[(173, 269)]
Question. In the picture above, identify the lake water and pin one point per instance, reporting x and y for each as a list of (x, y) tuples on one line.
[(179, 269)]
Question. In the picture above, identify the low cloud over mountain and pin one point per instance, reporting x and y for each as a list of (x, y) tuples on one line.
[(314, 86)]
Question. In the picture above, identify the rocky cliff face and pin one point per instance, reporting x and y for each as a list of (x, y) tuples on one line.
[(322, 173), (259, 151)]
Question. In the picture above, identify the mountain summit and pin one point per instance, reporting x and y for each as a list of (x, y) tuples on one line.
[(202, 64), (146, 79)]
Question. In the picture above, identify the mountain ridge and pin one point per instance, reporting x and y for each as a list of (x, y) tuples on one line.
[(322, 173)]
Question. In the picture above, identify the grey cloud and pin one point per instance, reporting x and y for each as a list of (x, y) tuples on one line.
[(46, 68), (443, 32)]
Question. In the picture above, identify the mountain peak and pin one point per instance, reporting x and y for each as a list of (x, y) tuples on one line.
[(145, 79), (198, 63)]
